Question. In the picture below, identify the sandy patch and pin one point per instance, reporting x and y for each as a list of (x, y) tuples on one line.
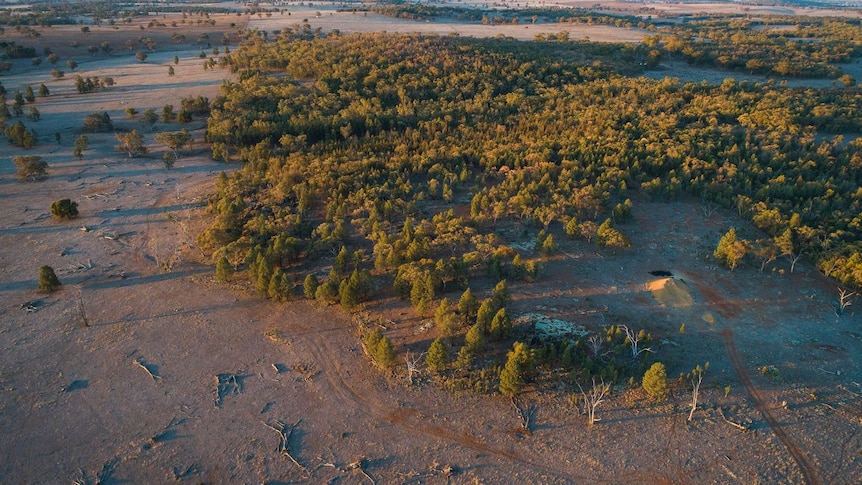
[(671, 292)]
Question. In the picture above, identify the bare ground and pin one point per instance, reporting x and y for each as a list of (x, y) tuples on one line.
[(133, 394)]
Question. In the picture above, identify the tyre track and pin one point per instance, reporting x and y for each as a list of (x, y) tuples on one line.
[(798, 455), (409, 419)]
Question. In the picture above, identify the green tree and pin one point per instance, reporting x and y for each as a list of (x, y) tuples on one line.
[(384, 354), (468, 306), (30, 167), (485, 314), (512, 375), (501, 295), (131, 143), (64, 209), (349, 291), (280, 287), (176, 141), (572, 228), (730, 250), (445, 318), (501, 325), (141, 56), (548, 245), (149, 117), (309, 286), (437, 358), (655, 382), (43, 91), (223, 269), (48, 280), (422, 293)]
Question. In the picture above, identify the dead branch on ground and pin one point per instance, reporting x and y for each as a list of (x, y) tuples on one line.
[(140, 363), (226, 384), (284, 432), (736, 425), (81, 314)]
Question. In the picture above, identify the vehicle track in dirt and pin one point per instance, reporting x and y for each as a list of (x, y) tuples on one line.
[(321, 348), (796, 452)]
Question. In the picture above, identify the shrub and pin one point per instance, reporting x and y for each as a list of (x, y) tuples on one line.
[(64, 209), (48, 280), (655, 382)]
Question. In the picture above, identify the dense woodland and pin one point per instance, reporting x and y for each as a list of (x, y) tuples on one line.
[(377, 163), (786, 46)]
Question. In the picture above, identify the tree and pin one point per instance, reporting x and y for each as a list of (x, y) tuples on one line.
[(96, 122), (43, 91), (349, 291), (64, 209), (500, 295), (81, 144), (279, 287), (171, 71), (610, 237), (572, 228), (48, 280), (654, 382), (593, 398), (422, 293), (445, 318), (141, 56), (309, 286), (696, 378), (788, 246), (548, 246), (384, 354), (57, 73), (847, 80), (467, 306), (131, 112), (131, 143), (72, 65), (512, 375), (168, 113), (485, 314), (223, 269), (730, 250), (30, 167), (501, 325), (29, 95), (437, 358), (176, 141), (149, 117)]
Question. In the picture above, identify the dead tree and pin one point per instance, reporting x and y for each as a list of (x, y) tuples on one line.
[(633, 339), (595, 344), (413, 364), (696, 377), (593, 398), (843, 300), (526, 414)]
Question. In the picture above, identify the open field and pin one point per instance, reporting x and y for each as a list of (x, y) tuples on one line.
[(115, 378)]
